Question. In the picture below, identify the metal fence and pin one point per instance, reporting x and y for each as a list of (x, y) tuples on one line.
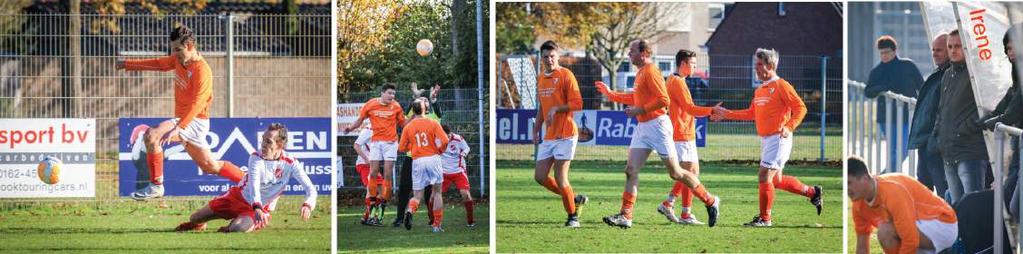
[(459, 110), (729, 79), (62, 66)]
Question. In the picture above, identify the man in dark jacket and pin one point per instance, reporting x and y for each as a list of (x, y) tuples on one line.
[(960, 139), (898, 75), (929, 169)]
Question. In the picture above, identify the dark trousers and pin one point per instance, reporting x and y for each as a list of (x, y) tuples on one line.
[(405, 187), (930, 171)]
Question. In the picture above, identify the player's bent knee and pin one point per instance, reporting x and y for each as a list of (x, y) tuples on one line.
[(887, 236)]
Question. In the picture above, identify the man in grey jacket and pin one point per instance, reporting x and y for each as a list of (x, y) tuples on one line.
[(960, 139), (898, 75), (930, 171)]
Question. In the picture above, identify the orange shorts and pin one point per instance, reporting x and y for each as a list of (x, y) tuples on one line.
[(460, 180), (232, 205)]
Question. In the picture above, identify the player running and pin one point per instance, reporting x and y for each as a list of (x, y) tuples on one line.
[(193, 94), (453, 160), (249, 204), (385, 116), (648, 103), (361, 146), (682, 113), (559, 97), (777, 110), (425, 140)]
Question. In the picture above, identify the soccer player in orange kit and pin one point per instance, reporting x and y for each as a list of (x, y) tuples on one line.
[(385, 116), (559, 97), (777, 110), (653, 133), (425, 141), (682, 113), (909, 218), (193, 94)]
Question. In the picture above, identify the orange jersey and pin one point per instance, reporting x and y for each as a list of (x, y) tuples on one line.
[(193, 85), (649, 93), (901, 200), (682, 111), (423, 137), (384, 118), (775, 104), (559, 88)]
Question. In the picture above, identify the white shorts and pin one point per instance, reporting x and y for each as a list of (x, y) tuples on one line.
[(560, 149), (687, 151), (426, 171), (383, 150), (942, 235), (775, 151), (195, 132), (654, 135)]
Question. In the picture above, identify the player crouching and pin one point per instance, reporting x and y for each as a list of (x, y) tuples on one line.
[(270, 169)]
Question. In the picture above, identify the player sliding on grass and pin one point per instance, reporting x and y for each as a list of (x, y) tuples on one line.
[(454, 172), (648, 103), (385, 116), (682, 112), (559, 97), (249, 204), (193, 94), (777, 110), (361, 146), (425, 140)]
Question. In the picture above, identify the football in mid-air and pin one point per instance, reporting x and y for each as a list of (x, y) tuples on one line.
[(49, 170), (424, 47)]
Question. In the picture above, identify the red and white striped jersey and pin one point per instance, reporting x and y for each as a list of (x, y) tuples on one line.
[(267, 179), (453, 158), (363, 142)]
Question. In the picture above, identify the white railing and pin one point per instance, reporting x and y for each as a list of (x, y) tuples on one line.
[(865, 139), (1003, 133)]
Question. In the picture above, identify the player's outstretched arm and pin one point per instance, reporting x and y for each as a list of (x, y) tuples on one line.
[(619, 97), (165, 63), (310, 190), (744, 114)]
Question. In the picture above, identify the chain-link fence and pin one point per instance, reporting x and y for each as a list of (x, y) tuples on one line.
[(63, 66), (459, 109), (729, 79)]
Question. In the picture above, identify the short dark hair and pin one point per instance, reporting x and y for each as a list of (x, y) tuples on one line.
[(418, 107), (857, 168), (954, 32), (644, 46), (446, 128), (388, 86), (887, 41), (282, 132), (683, 55), (1008, 37), (549, 45), (183, 33)]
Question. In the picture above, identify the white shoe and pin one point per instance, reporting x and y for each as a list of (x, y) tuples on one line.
[(572, 222), (438, 230), (618, 220), (758, 222), (668, 213), (149, 192), (690, 221)]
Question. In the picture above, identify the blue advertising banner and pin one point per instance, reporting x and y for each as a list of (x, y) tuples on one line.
[(230, 139), (596, 127)]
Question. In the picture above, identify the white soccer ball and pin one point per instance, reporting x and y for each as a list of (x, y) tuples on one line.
[(49, 170), (424, 47)]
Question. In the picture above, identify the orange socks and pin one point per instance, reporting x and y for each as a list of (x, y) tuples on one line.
[(687, 199), (387, 189), (438, 215), (568, 199), (766, 200), (372, 187), (155, 163), (413, 205), (552, 185), (231, 172), (792, 184), (701, 193), (628, 199)]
